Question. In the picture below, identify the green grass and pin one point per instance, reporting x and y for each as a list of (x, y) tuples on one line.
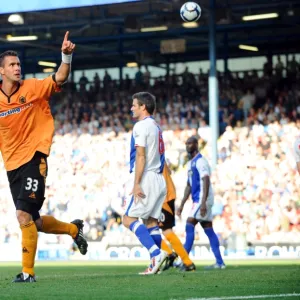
[(97, 280)]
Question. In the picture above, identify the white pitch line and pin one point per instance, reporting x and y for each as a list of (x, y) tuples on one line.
[(248, 297)]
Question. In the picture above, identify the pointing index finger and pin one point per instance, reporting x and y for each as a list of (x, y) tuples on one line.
[(66, 36)]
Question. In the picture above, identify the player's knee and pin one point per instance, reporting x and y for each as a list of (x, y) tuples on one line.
[(167, 231), (206, 224), (192, 221), (23, 217), (151, 222), (39, 224), (127, 221), (27, 212)]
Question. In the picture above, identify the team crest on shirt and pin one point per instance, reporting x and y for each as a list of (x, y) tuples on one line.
[(22, 100), (190, 173), (193, 164)]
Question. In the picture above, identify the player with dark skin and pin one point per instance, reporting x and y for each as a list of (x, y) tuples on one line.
[(192, 150), (200, 188)]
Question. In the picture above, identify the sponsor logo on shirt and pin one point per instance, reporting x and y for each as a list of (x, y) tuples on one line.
[(16, 110)]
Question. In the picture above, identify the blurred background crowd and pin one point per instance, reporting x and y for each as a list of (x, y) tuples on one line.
[(257, 197)]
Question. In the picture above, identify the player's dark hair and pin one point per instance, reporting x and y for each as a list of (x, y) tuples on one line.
[(147, 99), (193, 139), (5, 54)]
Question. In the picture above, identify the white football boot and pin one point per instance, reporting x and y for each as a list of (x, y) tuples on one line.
[(156, 262)]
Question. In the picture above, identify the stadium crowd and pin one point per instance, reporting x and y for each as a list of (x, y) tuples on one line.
[(257, 196)]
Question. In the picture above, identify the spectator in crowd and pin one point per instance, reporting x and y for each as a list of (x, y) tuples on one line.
[(97, 83), (106, 79), (139, 77), (83, 81), (279, 67), (248, 100)]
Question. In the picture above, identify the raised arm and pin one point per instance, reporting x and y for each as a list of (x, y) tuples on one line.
[(67, 49)]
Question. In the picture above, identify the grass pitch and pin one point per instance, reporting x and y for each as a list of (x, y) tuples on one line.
[(116, 280)]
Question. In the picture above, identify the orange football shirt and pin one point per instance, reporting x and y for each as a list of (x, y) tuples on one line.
[(26, 122), (171, 191)]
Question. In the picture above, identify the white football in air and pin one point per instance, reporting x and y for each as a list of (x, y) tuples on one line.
[(190, 12)]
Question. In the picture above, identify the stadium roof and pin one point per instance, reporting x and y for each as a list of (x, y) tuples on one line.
[(110, 35)]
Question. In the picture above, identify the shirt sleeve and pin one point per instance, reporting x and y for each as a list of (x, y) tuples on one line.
[(44, 88), (203, 167), (140, 135), (297, 150)]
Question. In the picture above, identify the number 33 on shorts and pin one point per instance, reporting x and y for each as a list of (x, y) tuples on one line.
[(31, 184), (33, 189)]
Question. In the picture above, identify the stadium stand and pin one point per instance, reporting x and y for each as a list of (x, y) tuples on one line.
[(258, 201)]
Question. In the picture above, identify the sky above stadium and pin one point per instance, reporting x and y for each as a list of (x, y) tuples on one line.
[(18, 6)]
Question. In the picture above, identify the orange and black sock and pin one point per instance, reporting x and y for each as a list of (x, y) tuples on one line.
[(52, 225), (29, 244), (166, 248), (178, 247)]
